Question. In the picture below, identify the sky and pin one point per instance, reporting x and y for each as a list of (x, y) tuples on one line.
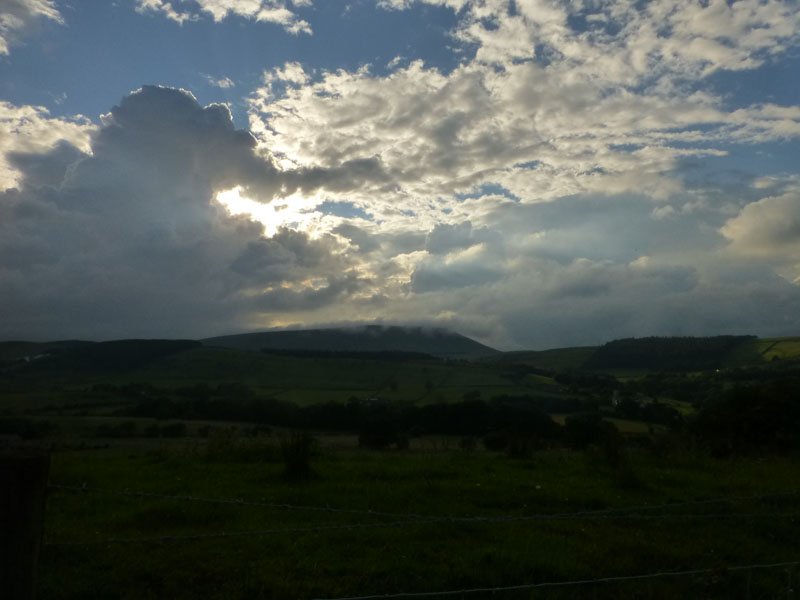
[(530, 173)]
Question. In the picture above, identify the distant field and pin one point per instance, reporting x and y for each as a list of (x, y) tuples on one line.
[(300, 379), (559, 359), (782, 348), (623, 425)]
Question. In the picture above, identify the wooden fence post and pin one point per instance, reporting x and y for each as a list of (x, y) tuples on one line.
[(23, 484)]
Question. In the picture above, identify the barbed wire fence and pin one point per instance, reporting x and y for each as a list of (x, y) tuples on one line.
[(572, 583), (632, 512), (644, 512)]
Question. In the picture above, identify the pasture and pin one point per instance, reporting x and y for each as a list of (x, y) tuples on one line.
[(395, 534)]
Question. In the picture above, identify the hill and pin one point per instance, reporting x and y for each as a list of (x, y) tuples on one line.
[(372, 338), (654, 354), (80, 358), (669, 353)]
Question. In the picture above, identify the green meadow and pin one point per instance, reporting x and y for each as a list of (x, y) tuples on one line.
[(180, 471), (91, 552)]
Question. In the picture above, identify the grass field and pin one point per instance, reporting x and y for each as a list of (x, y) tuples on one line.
[(781, 348), (408, 557), (557, 359), (488, 520), (297, 379)]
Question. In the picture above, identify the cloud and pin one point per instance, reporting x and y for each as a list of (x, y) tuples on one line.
[(571, 130), (541, 303), (769, 229), (579, 270), (626, 41), (128, 239), (363, 240), (30, 130), (404, 4), (573, 110), (267, 11), (549, 189), (18, 17), (224, 82), (444, 238), (124, 238), (468, 268)]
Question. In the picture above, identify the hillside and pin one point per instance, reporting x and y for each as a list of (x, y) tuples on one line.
[(670, 353), (76, 357), (655, 354), (373, 338), (556, 359)]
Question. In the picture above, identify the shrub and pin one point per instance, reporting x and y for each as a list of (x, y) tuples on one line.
[(378, 432), (747, 418), (583, 430)]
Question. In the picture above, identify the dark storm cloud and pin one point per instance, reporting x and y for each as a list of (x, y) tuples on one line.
[(47, 168), (128, 241), (170, 137)]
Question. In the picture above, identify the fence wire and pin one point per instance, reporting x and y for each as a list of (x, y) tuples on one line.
[(575, 582), (454, 518)]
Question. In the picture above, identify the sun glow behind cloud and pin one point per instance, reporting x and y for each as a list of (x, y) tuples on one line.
[(295, 211)]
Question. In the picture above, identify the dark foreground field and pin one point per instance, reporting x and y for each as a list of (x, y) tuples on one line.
[(653, 468), (433, 518)]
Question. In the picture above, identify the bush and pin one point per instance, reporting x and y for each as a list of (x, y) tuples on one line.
[(379, 431), (747, 418), (583, 430)]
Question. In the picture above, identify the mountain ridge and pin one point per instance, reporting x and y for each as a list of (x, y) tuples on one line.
[(370, 338)]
